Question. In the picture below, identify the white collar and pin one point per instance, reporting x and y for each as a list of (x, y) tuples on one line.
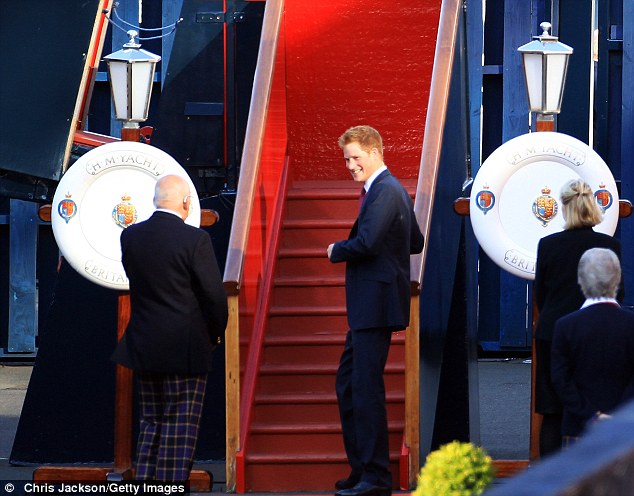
[(169, 212), (601, 299), (371, 179)]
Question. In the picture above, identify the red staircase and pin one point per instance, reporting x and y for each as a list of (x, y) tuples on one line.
[(294, 438)]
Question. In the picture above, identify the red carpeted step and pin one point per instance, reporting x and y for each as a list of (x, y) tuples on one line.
[(315, 349), (296, 379), (305, 295), (308, 234), (289, 325), (312, 472), (317, 265), (299, 438), (282, 408)]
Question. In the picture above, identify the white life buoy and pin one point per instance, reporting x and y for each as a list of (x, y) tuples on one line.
[(515, 196), (103, 192)]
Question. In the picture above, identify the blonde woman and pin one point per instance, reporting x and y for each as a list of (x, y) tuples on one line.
[(557, 293)]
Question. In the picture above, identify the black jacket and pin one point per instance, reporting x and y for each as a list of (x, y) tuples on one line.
[(592, 363), (556, 290), (178, 302)]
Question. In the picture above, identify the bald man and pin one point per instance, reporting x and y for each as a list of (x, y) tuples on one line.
[(178, 314)]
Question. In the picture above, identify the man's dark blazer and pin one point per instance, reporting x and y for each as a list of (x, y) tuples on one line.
[(178, 302), (377, 254), (593, 362), (556, 290)]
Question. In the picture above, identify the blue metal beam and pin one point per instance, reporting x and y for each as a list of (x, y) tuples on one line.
[(627, 148), (23, 227)]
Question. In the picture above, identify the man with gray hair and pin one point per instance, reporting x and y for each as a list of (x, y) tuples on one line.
[(593, 348)]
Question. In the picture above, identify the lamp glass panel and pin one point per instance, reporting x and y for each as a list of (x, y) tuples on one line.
[(533, 72), (142, 74), (119, 84), (555, 73)]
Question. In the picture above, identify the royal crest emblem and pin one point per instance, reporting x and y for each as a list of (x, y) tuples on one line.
[(124, 214), (603, 197), (485, 199), (67, 208), (545, 207)]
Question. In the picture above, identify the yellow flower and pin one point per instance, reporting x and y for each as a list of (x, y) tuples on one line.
[(455, 469)]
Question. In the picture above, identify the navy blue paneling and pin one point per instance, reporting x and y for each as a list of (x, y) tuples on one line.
[(444, 321), (36, 110), (627, 148), (575, 28), (502, 297)]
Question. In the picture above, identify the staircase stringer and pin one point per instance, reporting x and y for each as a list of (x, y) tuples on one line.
[(254, 358), (410, 458)]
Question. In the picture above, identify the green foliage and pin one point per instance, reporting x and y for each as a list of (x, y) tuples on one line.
[(455, 469)]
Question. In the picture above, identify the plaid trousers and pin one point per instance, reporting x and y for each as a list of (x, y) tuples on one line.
[(170, 410)]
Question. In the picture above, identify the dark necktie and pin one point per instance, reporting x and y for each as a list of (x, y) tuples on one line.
[(362, 197)]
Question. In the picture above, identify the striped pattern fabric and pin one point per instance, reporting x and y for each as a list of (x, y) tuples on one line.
[(170, 410)]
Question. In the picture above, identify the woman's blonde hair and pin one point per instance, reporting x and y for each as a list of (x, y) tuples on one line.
[(580, 208)]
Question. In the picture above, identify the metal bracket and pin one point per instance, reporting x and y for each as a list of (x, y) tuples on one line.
[(204, 108), (219, 17), (16, 356), (210, 17), (212, 172)]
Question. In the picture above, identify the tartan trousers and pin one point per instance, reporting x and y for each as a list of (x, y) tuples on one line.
[(170, 408)]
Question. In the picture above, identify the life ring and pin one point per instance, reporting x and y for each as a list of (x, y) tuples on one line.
[(103, 192), (515, 196)]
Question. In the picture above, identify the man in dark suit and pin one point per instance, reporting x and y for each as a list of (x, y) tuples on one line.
[(178, 313), (377, 255), (593, 348)]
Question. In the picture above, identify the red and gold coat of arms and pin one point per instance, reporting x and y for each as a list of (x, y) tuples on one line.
[(124, 214), (545, 207)]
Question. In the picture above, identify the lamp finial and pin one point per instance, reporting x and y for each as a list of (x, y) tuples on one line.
[(132, 43), (545, 36)]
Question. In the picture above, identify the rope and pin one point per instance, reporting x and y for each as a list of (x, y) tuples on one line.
[(172, 27)]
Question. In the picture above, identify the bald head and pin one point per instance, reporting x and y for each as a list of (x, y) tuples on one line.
[(172, 193)]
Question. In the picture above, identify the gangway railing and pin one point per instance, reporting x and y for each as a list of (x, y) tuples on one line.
[(423, 206), (253, 238)]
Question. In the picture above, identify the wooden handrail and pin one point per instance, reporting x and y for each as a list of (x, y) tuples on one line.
[(89, 73), (87, 138), (252, 150), (434, 128), (239, 237)]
